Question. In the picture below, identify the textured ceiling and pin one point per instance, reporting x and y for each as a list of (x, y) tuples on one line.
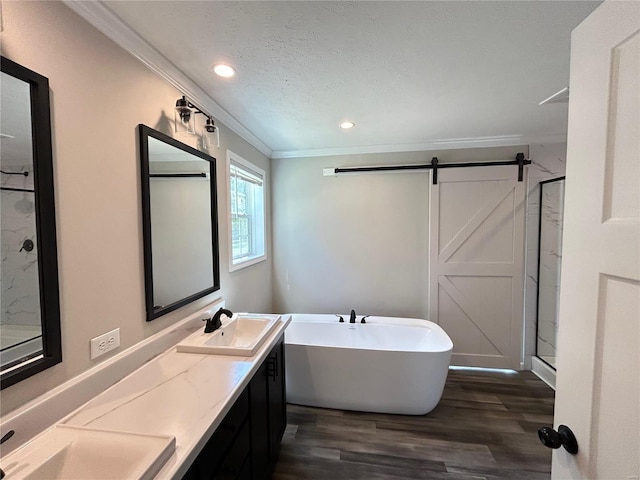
[(406, 73)]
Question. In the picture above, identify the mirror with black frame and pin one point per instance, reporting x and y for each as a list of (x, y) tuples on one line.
[(30, 307), (180, 222)]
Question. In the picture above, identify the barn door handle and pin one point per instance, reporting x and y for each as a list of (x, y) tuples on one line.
[(564, 437)]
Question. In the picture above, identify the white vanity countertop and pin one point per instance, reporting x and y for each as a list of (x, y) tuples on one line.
[(181, 394)]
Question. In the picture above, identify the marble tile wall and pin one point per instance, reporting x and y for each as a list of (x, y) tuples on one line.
[(19, 301), (548, 161), (550, 255)]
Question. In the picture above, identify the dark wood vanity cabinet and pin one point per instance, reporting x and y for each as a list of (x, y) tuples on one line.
[(267, 391), (246, 444), (277, 401)]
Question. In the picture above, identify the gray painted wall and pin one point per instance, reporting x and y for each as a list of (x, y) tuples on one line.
[(99, 94), (356, 241)]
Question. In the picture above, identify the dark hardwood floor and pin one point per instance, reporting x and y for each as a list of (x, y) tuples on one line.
[(485, 427)]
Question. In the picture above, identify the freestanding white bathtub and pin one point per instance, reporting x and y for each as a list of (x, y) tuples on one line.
[(387, 365)]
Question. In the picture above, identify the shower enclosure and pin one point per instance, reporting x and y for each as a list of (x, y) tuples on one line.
[(20, 319), (549, 267), (20, 324)]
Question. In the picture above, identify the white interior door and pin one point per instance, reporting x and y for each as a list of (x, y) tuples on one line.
[(476, 263), (598, 380)]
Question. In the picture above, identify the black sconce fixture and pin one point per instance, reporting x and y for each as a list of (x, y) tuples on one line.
[(185, 123), (184, 118), (210, 135)]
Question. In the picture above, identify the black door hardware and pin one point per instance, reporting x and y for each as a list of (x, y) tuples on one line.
[(564, 437)]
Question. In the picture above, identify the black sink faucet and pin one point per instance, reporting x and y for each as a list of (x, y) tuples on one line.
[(352, 317), (4, 438), (214, 322)]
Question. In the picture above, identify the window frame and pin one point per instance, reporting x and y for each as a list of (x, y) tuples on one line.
[(233, 158)]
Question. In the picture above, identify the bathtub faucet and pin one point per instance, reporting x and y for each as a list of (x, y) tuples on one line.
[(214, 322), (352, 318)]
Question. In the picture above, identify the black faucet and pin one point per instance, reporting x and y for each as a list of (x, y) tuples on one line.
[(214, 322), (352, 318), (4, 438), (362, 319)]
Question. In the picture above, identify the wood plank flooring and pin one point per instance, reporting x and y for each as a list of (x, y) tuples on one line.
[(485, 427)]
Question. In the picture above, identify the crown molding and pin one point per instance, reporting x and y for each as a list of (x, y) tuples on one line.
[(447, 144), (102, 18)]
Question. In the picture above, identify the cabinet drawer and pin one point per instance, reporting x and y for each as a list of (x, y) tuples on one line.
[(215, 451), (237, 456), (236, 416), (245, 473)]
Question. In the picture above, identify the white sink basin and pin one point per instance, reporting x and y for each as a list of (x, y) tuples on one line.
[(79, 453), (241, 336)]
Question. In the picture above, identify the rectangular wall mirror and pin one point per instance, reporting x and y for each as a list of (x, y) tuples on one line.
[(30, 313), (180, 222)]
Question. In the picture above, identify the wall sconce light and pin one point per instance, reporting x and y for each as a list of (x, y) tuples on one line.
[(210, 135), (185, 123)]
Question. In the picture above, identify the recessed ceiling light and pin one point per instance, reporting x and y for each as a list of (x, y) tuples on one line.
[(224, 70), (347, 125)]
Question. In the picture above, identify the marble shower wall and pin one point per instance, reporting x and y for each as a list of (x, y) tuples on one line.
[(550, 254), (548, 161), (20, 300)]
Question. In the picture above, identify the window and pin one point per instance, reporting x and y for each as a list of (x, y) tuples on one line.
[(246, 213)]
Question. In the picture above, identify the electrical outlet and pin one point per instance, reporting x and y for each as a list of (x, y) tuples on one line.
[(105, 343)]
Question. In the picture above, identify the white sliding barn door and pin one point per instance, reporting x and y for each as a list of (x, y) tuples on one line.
[(598, 381), (477, 223)]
